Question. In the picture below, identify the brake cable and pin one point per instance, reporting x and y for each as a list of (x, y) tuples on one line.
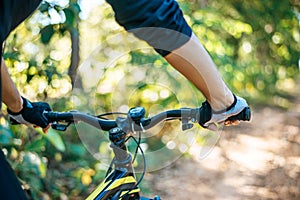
[(138, 142), (101, 116)]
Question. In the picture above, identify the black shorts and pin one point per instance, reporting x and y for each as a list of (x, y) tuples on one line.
[(158, 22)]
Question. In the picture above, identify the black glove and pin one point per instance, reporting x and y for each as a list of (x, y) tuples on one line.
[(31, 113), (205, 113)]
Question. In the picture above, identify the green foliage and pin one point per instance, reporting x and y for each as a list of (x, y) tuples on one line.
[(6, 136), (255, 45), (47, 33), (55, 140)]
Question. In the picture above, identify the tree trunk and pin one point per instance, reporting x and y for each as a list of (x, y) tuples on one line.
[(74, 58)]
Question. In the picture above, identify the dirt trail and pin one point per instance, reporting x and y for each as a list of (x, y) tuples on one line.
[(259, 160)]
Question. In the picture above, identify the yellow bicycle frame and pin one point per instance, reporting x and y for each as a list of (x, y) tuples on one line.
[(117, 185)]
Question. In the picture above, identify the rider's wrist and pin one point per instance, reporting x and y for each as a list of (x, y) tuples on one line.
[(16, 107), (228, 107), (24, 104)]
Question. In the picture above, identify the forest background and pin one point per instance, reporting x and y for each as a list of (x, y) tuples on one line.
[(73, 55)]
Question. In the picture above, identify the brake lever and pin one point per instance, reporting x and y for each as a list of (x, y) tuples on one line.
[(60, 127), (186, 125), (13, 121), (186, 117)]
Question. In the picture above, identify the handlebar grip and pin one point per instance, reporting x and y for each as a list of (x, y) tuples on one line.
[(57, 116), (244, 115), (51, 117)]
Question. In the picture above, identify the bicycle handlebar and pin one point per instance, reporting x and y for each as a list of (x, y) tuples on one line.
[(78, 116), (186, 115)]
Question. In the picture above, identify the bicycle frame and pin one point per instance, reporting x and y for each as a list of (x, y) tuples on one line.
[(119, 184)]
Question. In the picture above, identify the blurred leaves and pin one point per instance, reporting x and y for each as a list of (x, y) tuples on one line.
[(251, 43), (56, 140), (6, 136), (37, 145), (47, 33)]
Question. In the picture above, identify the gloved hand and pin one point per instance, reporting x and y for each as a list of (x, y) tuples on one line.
[(31, 114), (209, 118)]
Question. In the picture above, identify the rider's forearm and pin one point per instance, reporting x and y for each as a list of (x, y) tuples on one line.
[(193, 61), (10, 95), (170, 35)]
